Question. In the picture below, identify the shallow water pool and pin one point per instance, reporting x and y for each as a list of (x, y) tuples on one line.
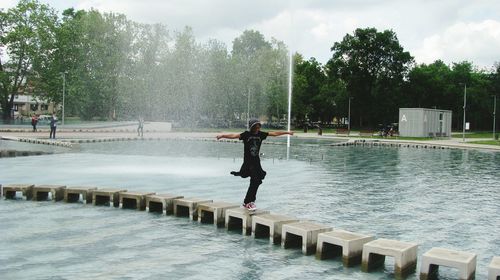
[(437, 198)]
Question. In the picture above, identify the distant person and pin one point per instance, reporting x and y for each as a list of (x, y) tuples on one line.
[(140, 127), (251, 161), (53, 126), (34, 122)]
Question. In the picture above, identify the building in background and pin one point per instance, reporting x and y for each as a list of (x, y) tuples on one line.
[(422, 122), (27, 104)]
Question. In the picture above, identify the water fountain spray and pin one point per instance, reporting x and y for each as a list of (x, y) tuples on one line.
[(289, 104)]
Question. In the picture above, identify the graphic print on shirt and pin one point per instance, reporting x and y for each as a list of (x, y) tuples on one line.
[(254, 142)]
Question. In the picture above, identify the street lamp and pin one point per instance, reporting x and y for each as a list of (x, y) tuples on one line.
[(349, 118), (64, 93), (465, 104), (494, 114)]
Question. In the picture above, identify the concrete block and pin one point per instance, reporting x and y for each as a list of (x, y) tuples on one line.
[(214, 212), (188, 207), (404, 253), (465, 262), (241, 218), (162, 203), (340, 242), (72, 194), (270, 226), (494, 269), (107, 196), (9, 191), (41, 192), (134, 200), (302, 234)]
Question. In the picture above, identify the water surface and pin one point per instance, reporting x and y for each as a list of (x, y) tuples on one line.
[(445, 198)]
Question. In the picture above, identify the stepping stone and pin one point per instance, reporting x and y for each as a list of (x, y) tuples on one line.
[(494, 269), (241, 218), (463, 261), (9, 191), (302, 234), (188, 207), (41, 193), (72, 194), (214, 212), (162, 203), (108, 197), (134, 200), (404, 253), (270, 225), (340, 242)]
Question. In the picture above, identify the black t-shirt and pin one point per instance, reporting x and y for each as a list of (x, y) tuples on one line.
[(252, 144)]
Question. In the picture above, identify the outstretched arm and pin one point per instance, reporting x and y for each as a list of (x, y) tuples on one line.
[(228, 136), (279, 133)]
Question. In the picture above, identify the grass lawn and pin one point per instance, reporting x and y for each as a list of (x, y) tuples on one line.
[(478, 134)]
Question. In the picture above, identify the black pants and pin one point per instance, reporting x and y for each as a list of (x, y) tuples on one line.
[(252, 190), (256, 173), (52, 132)]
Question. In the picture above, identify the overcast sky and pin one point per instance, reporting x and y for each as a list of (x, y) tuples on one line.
[(450, 30)]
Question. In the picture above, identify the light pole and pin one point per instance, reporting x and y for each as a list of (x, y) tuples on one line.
[(64, 93), (494, 114), (465, 104), (349, 118)]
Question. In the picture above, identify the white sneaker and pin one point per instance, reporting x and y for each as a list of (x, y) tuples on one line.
[(250, 206), (253, 207)]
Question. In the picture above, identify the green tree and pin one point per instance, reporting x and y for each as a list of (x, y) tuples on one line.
[(438, 86), (144, 87), (274, 71), (373, 66), (309, 101), (429, 86), (217, 89), (93, 49), (27, 37), (248, 48)]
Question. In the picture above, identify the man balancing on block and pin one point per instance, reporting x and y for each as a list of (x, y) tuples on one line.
[(251, 161)]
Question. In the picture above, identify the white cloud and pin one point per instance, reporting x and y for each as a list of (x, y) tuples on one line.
[(478, 42), (451, 30), (6, 4)]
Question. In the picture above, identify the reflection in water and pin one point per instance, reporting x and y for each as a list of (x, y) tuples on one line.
[(445, 198)]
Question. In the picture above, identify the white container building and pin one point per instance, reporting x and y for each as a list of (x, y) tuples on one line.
[(422, 122)]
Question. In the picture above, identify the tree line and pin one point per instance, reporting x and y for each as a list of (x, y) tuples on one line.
[(116, 68), (373, 71)]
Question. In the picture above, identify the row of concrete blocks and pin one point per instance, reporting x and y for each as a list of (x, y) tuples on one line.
[(71, 142), (322, 240), (46, 142), (112, 130), (77, 130), (386, 144), (14, 153)]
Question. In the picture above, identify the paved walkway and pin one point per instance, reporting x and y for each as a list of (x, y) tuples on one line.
[(160, 131)]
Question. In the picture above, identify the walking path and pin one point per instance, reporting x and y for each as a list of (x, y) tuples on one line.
[(128, 130)]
